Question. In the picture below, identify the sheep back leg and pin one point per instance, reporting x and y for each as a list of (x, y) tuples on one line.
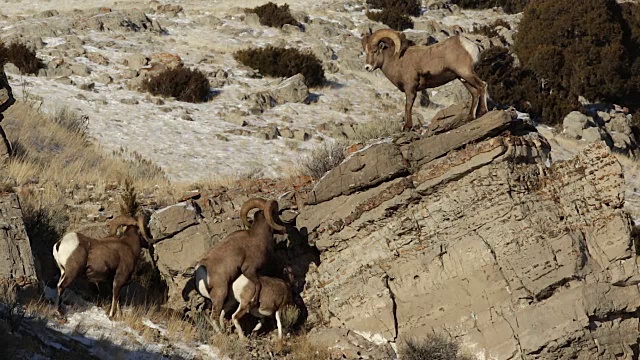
[(410, 99), (119, 280), (238, 314), (474, 100), (251, 274), (478, 90), (67, 248), (218, 298), (279, 323)]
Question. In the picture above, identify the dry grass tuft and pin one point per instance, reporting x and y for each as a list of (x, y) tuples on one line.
[(128, 200), (301, 348), (323, 158), (290, 315), (375, 129), (433, 347)]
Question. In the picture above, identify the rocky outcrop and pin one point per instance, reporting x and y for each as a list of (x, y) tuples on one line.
[(16, 260), (489, 243), (609, 124), (469, 231)]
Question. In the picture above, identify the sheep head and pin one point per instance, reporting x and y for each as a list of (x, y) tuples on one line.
[(119, 224), (268, 209), (374, 45)]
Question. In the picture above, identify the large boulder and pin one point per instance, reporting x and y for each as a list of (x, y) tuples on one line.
[(16, 259), (491, 244)]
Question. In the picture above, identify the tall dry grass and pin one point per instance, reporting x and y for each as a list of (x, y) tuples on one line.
[(53, 153)]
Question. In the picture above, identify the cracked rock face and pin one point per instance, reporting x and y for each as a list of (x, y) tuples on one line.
[(490, 244), (16, 259)]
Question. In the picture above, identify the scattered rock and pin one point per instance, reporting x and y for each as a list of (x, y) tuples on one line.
[(136, 61), (129, 101), (574, 123), (171, 220), (292, 89), (98, 58), (80, 69)]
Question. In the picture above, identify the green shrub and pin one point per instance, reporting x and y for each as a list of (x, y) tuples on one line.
[(568, 49), (391, 17), (407, 7), (283, 62), (491, 29), (182, 83), (433, 347), (273, 15), (509, 85), (24, 58), (509, 6)]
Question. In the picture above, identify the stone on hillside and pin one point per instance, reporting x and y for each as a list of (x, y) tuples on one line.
[(292, 89), (167, 59), (80, 69), (432, 147), (574, 123), (98, 58), (363, 169), (172, 219), (16, 258), (592, 134), (449, 118), (252, 19), (136, 61), (620, 124), (301, 135)]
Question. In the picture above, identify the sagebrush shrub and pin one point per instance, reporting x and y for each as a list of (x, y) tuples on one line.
[(491, 30), (407, 7), (283, 62), (24, 58), (273, 15), (509, 6), (582, 51), (509, 85), (322, 159), (432, 347), (180, 82), (392, 17)]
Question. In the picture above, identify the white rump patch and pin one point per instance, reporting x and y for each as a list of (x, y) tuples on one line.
[(68, 244), (202, 281), (471, 48), (238, 286)]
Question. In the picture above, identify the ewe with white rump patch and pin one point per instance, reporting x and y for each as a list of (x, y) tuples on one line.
[(111, 258)]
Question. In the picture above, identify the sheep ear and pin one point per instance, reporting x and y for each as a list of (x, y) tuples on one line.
[(383, 45)]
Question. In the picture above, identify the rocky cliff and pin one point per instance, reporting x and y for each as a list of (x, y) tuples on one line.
[(473, 232)]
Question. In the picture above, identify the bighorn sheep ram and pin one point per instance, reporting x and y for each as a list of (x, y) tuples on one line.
[(416, 68), (242, 252), (112, 258), (274, 296)]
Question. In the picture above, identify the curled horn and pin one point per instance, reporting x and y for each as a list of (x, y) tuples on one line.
[(388, 33), (269, 207), (127, 220), (271, 213)]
